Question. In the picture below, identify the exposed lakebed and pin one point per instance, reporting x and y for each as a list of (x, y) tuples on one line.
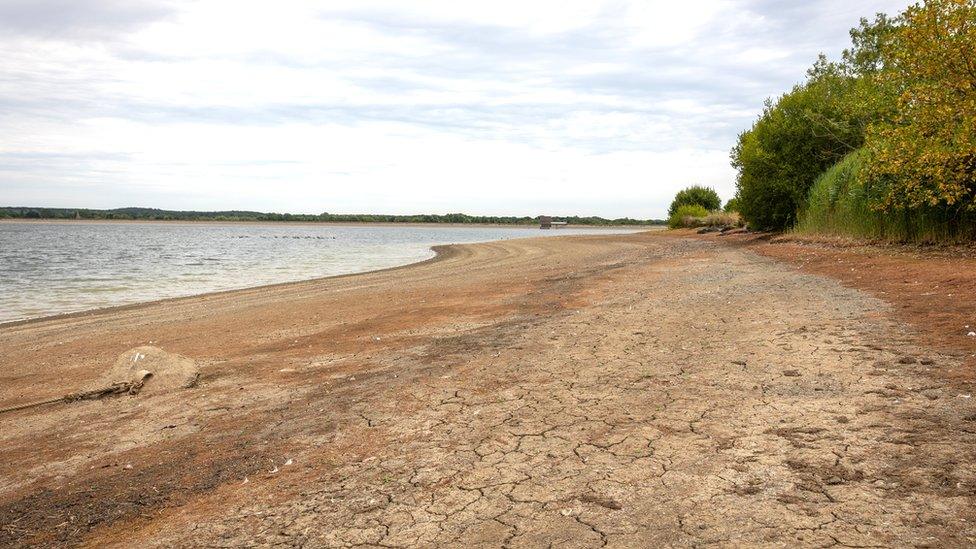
[(59, 267)]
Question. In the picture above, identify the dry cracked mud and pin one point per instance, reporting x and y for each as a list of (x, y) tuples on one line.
[(612, 391)]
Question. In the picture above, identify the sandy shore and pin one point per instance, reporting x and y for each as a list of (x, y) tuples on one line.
[(612, 390)]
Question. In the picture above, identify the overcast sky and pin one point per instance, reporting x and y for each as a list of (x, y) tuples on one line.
[(501, 107)]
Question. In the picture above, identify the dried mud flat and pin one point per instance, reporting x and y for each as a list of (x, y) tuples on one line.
[(625, 391)]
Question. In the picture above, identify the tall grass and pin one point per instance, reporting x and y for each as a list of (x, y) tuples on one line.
[(691, 216), (718, 218), (838, 204), (688, 215)]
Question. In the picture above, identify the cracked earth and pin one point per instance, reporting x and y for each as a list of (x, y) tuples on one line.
[(609, 391)]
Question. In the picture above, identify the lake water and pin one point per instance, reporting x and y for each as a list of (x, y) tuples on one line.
[(51, 268)]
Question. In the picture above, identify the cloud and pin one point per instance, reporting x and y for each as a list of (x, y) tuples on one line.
[(78, 19), (589, 107)]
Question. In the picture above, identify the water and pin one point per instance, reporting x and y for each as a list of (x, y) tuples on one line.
[(51, 268)]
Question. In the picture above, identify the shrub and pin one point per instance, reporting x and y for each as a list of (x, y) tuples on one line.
[(795, 140), (697, 195), (733, 204), (882, 144), (689, 215)]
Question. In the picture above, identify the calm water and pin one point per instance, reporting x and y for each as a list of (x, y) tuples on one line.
[(50, 268)]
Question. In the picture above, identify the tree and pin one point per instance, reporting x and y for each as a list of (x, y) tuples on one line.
[(706, 197), (869, 41), (812, 127), (924, 157), (793, 141), (732, 205)]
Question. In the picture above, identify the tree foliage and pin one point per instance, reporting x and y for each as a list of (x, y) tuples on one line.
[(696, 195), (868, 42), (924, 157), (812, 127), (795, 139), (732, 205)]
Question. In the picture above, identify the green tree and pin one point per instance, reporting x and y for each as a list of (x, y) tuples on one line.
[(868, 43), (924, 157), (706, 197), (812, 127), (732, 205)]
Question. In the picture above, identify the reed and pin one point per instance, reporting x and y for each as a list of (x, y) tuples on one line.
[(839, 204)]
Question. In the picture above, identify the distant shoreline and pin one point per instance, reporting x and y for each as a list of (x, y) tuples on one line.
[(312, 223), (155, 214)]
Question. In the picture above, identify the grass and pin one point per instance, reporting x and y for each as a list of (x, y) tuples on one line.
[(839, 205), (687, 216), (719, 218), (698, 216)]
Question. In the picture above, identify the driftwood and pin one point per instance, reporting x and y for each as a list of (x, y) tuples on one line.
[(121, 388)]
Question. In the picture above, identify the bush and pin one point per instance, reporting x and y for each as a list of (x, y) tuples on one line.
[(690, 215), (697, 195), (881, 145), (733, 204), (795, 140)]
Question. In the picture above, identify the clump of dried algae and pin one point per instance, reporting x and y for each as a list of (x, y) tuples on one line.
[(161, 371)]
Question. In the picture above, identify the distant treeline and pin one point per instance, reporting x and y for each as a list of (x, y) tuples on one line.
[(153, 214)]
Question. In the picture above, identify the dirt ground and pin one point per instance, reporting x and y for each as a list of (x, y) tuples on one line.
[(627, 391)]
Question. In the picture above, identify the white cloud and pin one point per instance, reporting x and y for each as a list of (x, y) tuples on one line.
[(505, 107)]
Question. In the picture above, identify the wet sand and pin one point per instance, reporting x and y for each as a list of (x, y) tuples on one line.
[(617, 390)]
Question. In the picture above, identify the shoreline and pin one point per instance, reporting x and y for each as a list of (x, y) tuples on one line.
[(441, 252), (312, 223), (543, 380), (437, 249)]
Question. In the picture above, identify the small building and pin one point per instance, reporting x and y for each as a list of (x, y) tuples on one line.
[(546, 222)]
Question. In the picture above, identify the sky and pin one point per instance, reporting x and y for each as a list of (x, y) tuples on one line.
[(388, 106)]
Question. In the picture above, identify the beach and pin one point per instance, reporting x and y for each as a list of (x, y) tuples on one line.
[(57, 267), (633, 390)]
